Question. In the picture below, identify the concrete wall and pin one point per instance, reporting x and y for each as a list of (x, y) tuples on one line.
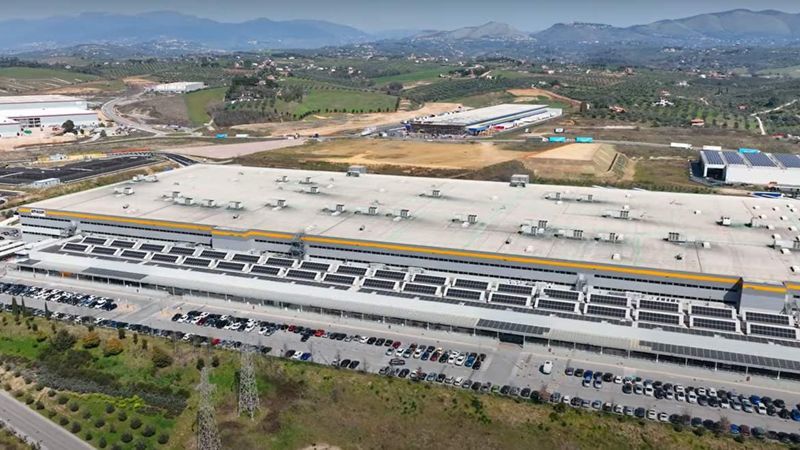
[(9, 130), (761, 175)]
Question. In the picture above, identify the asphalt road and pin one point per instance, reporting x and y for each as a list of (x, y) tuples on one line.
[(505, 363), (37, 428), (109, 110)]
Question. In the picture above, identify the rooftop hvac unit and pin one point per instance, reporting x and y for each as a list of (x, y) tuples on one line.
[(586, 198), (277, 203), (137, 178), (185, 201), (436, 193), (282, 179), (208, 203), (465, 219), (519, 180), (312, 190), (725, 221), (674, 236), (235, 205), (553, 196), (151, 178), (306, 180), (612, 237), (368, 211), (577, 234), (625, 214), (171, 195), (125, 190), (355, 171)]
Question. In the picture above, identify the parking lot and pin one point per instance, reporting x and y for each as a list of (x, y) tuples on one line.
[(638, 388)]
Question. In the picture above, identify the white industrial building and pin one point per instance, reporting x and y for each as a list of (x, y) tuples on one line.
[(481, 120), (181, 87), (751, 167), (34, 111)]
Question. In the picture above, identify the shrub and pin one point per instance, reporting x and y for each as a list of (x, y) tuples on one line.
[(99, 423), (88, 436), (163, 438), (62, 341), (75, 428), (27, 379), (62, 399), (148, 431), (7, 386), (39, 406), (109, 408), (215, 361), (112, 347), (74, 407), (51, 393), (63, 421), (136, 423), (126, 437), (140, 445), (200, 364), (51, 413), (38, 387), (29, 400), (122, 417), (101, 443), (121, 333), (116, 447), (160, 358), (87, 415), (91, 340)]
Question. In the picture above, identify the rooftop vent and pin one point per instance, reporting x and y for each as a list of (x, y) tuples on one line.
[(306, 180), (185, 201), (368, 211), (465, 219), (126, 190), (674, 236), (725, 221), (235, 205), (208, 203), (312, 190), (277, 203), (533, 228), (282, 179), (611, 237)]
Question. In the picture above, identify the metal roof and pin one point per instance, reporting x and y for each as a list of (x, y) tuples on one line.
[(480, 115)]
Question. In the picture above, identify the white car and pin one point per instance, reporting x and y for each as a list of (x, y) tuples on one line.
[(663, 417), (547, 367), (691, 397), (458, 381), (364, 339), (680, 396), (460, 360), (399, 352), (760, 408), (389, 351), (618, 379), (418, 352), (652, 415), (649, 391)]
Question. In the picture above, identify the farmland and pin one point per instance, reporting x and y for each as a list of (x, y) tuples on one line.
[(23, 80), (198, 102)]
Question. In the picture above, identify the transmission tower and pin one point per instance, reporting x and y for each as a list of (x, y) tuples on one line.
[(207, 434), (248, 391)]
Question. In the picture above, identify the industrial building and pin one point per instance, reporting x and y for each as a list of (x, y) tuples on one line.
[(748, 166), (180, 87), (33, 111), (481, 120), (696, 279)]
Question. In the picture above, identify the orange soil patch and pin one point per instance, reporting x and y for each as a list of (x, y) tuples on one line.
[(536, 92)]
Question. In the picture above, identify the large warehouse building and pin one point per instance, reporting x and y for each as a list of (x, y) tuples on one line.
[(690, 278), (477, 121), (751, 167), (34, 111)]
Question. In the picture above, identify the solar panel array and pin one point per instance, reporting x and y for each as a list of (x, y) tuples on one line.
[(509, 299), (227, 265), (612, 300), (339, 279), (93, 240), (103, 250), (390, 274), (252, 259), (380, 284), (733, 158), (777, 332), (472, 284), (788, 160), (463, 293), (283, 262), (725, 313), (511, 327), (75, 247), (301, 274), (555, 305), (152, 247), (311, 265), (420, 289), (133, 254), (213, 254), (713, 157), (728, 326), (199, 262), (122, 244), (659, 306), (562, 294), (514, 289), (181, 251), (429, 279), (759, 160), (265, 270), (728, 357), (351, 270), (774, 319), (164, 258), (606, 311), (649, 316)]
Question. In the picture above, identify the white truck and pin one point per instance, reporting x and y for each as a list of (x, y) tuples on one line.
[(681, 145)]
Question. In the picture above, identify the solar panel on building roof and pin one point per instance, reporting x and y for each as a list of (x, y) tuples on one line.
[(420, 289), (103, 250), (729, 326), (775, 319), (649, 316), (380, 284), (245, 258), (514, 289), (429, 279), (463, 293), (226, 265), (197, 262), (164, 258), (511, 327), (122, 244), (94, 240), (472, 284), (133, 254), (339, 279), (606, 311), (787, 160), (301, 274), (75, 247), (612, 300), (213, 254), (181, 251), (777, 332), (351, 270), (555, 305), (713, 157), (656, 305), (508, 299), (759, 160), (562, 294), (733, 158), (311, 265), (390, 274), (265, 270), (283, 262), (725, 313), (152, 247)]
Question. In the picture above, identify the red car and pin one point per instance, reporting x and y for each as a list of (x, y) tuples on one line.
[(291, 328), (395, 344), (215, 341), (319, 333)]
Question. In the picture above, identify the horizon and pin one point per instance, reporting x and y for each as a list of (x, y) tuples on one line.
[(615, 13)]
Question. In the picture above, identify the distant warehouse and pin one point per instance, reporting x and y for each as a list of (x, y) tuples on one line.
[(34, 111), (180, 87), (482, 120), (750, 166)]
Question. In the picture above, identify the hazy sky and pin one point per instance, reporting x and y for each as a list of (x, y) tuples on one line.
[(372, 15)]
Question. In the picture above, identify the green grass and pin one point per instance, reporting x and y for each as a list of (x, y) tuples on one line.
[(197, 103), (33, 73), (24, 346), (317, 100), (792, 71), (431, 73)]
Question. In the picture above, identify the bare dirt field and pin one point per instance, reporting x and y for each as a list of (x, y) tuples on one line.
[(37, 138), (581, 161), (345, 122), (227, 151), (534, 93), (166, 109)]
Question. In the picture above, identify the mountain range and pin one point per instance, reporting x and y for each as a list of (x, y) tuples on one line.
[(200, 34)]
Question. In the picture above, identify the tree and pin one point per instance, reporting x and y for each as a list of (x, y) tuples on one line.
[(68, 126), (62, 341), (112, 347), (91, 340), (160, 358), (121, 333)]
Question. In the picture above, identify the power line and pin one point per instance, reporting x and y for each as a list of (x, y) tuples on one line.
[(248, 390)]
